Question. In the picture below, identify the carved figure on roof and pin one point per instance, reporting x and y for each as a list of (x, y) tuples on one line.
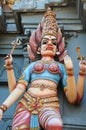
[(38, 84)]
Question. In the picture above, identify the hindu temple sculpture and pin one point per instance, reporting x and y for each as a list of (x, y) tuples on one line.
[(38, 85)]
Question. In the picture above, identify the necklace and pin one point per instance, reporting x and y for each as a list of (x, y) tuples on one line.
[(47, 61)]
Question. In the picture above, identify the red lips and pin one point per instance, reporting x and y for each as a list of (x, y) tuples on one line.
[(49, 47)]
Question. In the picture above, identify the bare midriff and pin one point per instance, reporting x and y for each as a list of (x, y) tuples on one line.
[(42, 87)]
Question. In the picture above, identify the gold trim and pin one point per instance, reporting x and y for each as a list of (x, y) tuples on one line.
[(82, 72), (43, 86), (70, 72), (35, 128), (3, 107), (8, 67), (23, 82), (36, 104)]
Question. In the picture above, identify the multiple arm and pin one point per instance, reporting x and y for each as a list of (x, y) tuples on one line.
[(70, 89), (12, 98), (74, 91), (10, 72), (15, 94), (16, 89), (81, 81)]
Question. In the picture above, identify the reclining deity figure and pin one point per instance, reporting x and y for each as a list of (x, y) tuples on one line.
[(39, 105)]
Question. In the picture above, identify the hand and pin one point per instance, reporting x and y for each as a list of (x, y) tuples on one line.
[(8, 59), (1, 114), (82, 65), (68, 62)]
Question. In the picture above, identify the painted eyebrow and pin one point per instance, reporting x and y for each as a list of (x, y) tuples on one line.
[(51, 38)]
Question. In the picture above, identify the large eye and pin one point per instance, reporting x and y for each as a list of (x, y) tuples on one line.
[(54, 43), (44, 42)]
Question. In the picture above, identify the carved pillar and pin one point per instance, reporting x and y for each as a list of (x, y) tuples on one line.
[(83, 17), (78, 4), (2, 20)]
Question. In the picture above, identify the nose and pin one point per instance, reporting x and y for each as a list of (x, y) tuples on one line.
[(50, 41)]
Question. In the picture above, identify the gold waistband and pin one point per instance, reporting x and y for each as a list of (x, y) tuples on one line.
[(36, 104), (43, 86)]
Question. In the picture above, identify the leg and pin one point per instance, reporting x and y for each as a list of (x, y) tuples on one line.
[(21, 119), (50, 119)]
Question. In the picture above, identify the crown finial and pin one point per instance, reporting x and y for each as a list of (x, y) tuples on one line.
[(50, 24)]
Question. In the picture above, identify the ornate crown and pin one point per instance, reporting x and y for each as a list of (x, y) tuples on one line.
[(50, 24)]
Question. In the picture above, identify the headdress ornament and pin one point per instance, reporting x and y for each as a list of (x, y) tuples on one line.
[(48, 26)]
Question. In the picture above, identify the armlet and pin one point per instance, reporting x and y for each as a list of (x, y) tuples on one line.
[(23, 82)]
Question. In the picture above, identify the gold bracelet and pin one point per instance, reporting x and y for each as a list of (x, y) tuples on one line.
[(3, 107), (70, 72), (82, 72), (8, 67)]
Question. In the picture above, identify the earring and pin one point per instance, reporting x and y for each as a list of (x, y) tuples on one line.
[(38, 51), (57, 52)]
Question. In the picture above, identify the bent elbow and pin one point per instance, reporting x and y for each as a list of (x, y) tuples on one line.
[(72, 99), (79, 99)]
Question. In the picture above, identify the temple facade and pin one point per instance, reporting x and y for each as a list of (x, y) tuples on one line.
[(18, 22)]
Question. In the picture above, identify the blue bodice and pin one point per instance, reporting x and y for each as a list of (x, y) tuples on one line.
[(54, 71)]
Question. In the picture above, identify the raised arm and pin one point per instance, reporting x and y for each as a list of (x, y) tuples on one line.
[(74, 91), (81, 81), (70, 89), (10, 72)]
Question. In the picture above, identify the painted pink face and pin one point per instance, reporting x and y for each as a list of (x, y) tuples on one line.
[(48, 46)]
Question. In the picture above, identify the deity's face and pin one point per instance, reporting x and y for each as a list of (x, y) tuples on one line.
[(49, 46)]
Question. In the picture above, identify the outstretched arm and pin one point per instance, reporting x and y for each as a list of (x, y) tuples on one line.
[(10, 72), (70, 89), (12, 98)]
